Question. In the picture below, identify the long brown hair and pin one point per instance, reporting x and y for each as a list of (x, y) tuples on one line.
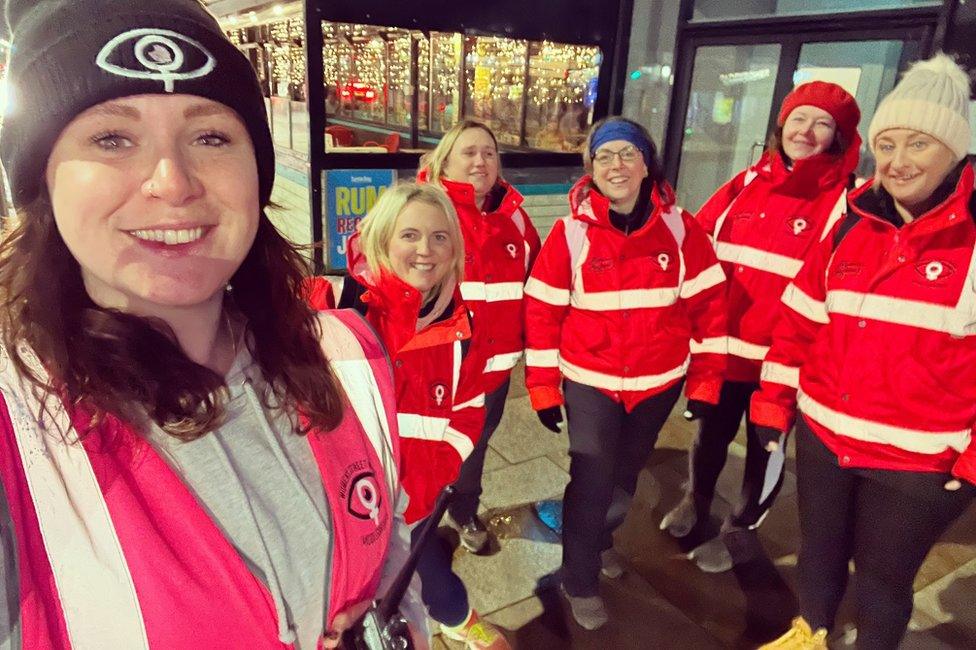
[(108, 363)]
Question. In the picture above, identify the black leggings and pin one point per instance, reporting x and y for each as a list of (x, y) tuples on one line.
[(607, 448), (709, 453), (887, 521)]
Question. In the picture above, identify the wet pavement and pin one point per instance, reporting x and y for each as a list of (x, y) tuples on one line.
[(664, 600)]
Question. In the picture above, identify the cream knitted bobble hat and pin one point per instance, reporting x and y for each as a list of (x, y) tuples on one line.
[(932, 97)]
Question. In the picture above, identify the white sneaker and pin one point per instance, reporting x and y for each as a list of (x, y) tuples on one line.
[(713, 556), (589, 611), (681, 519), (612, 565)]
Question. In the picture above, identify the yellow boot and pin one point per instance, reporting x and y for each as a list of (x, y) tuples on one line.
[(799, 637)]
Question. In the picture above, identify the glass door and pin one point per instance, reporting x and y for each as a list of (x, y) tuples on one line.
[(728, 111), (736, 90), (866, 69)]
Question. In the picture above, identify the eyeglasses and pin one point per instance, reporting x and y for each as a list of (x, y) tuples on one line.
[(629, 154)]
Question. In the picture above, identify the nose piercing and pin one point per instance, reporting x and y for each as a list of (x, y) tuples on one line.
[(151, 188)]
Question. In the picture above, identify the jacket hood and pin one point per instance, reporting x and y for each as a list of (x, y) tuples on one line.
[(957, 186), (588, 204), (812, 175), (462, 194), (393, 305)]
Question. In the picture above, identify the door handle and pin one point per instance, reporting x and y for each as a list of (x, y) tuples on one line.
[(753, 158)]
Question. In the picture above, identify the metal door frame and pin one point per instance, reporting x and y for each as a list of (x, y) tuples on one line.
[(919, 24)]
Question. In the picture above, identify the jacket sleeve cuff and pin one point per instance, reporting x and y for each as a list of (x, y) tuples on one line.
[(543, 397), (767, 414), (704, 390), (965, 467)]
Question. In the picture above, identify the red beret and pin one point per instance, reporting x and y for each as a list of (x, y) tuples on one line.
[(829, 97)]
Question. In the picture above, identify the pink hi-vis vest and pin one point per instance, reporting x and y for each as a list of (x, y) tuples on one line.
[(113, 551)]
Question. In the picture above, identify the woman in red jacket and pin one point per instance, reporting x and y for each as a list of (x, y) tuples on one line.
[(762, 223), (625, 303), (404, 268), (876, 348), (500, 243)]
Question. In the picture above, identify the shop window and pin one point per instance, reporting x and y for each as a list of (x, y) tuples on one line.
[(400, 97), (445, 80), (718, 9), (495, 71), (355, 66), (562, 89), (534, 95)]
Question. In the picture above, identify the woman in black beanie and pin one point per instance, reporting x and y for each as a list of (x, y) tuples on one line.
[(189, 456)]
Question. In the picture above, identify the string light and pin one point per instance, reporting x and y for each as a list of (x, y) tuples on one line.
[(369, 67)]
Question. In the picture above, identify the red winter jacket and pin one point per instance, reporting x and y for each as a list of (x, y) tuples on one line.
[(440, 396), (620, 312), (880, 337), (317, 291), (763, 222), (500, 247)]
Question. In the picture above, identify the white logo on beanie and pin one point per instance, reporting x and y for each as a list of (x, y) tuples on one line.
[(160, 53)]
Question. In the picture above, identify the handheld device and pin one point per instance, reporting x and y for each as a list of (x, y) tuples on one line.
[(382, 627)]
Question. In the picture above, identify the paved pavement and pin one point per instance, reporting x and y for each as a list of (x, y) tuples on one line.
[(664, 601)]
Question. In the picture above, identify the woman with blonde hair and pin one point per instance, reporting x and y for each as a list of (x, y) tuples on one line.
[(874, 361), (405, 264), (500, 244)]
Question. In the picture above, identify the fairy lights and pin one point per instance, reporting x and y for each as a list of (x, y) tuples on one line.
[(367, 71)]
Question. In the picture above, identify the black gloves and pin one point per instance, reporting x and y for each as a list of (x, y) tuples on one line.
[(551, 418), (767, 435), (696, 409)]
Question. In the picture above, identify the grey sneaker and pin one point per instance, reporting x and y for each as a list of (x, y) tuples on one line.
[(713, 556), (589, 611), (682, 518), (612, 565), (473, 533)]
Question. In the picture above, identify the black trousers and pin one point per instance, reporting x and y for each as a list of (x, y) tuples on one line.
[(710, 451), (607, 448), (468, 483), (887, 521), (442, 591)]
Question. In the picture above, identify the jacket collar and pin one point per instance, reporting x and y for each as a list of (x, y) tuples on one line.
[(956, 208), (462, 194), (589, 205), (393, 306), (810, 176)]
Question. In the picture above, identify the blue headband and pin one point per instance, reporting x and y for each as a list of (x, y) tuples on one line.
[(621, 130)]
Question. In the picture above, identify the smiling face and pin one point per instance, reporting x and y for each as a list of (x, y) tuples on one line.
[(473, 159), (421, 251), (807, 131), (156, 197), (618, 170), (911, 165)]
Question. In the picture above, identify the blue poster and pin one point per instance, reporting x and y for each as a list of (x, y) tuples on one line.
[(349, 194)]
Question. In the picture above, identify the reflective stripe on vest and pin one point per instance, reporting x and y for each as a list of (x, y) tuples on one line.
[(606, 381), (93, 582), (913, 440)]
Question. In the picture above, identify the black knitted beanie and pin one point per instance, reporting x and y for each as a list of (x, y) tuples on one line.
[(69, 55)]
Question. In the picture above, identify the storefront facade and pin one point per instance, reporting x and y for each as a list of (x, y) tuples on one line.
[(704, 76)]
